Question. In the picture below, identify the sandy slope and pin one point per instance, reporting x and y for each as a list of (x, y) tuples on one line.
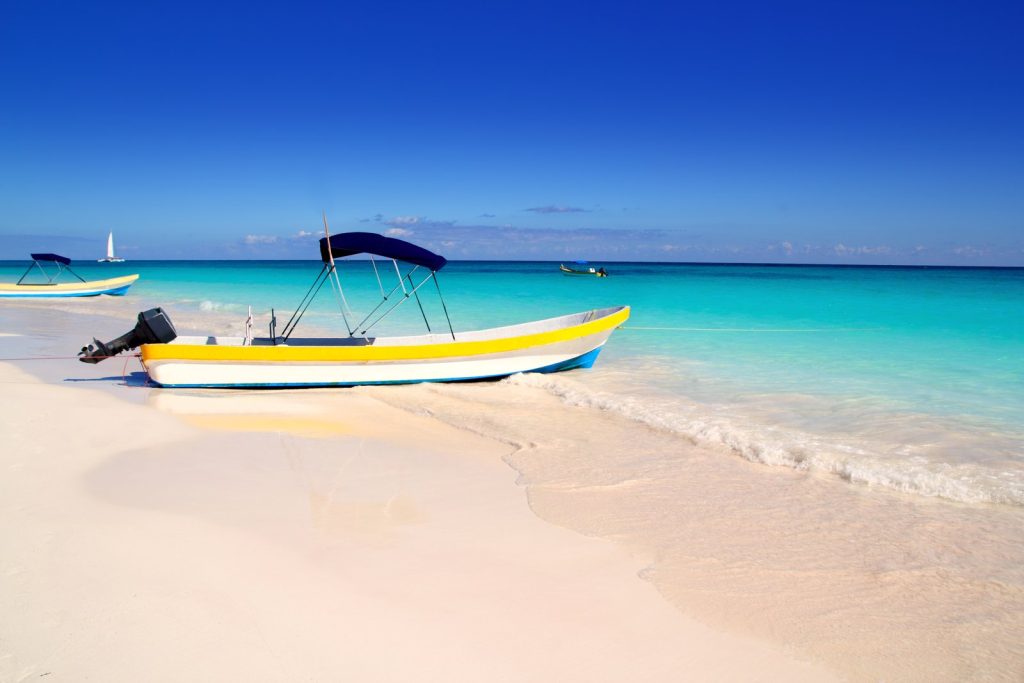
[(307, 536)]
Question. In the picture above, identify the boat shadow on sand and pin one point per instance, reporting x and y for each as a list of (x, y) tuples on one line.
[(132, 379)]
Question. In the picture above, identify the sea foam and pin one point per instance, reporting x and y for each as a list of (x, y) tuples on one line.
[(856, 460)]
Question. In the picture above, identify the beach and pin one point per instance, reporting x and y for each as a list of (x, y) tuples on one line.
[(318, 535), (579, 526), (507, 342)]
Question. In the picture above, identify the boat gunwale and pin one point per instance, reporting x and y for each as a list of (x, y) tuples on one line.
[(611, 318)]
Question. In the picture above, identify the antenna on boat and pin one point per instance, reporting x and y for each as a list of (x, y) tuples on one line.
[(335, 282)]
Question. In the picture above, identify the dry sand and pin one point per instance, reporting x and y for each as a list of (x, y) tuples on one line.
[(308, 536)]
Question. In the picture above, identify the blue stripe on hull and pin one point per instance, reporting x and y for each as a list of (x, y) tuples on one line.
[(48, 296), (120, 291), (584, 361)]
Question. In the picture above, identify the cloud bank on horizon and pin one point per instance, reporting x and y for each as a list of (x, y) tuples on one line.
[(557, 208), (509, 242)]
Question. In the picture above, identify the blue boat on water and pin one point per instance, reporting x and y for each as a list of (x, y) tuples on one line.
[(582, 268)]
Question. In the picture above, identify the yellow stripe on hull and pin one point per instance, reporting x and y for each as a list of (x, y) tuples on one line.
[(382, 352), (544, 346)]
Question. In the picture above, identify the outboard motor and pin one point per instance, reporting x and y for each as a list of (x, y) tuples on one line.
[(154, 327)]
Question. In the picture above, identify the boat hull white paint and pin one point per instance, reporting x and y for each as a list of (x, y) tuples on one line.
[(547, 356)]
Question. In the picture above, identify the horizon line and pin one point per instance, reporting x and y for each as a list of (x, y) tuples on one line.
[(598, 261)]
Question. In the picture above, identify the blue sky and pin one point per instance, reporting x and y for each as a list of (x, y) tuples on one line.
[(803, 132)]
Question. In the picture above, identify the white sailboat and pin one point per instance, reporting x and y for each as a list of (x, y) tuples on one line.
[(110, 258)]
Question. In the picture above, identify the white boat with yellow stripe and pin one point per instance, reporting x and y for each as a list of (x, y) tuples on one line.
[(282, 360), (47, 286)]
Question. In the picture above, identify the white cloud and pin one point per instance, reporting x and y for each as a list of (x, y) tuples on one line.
[(788, 248), (843, 250), (404, 220), (970, 250), (398, 232), (260, 239), (557, 208)]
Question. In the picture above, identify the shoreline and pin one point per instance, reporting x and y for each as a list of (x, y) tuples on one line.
[(294, 535), (848, 581)]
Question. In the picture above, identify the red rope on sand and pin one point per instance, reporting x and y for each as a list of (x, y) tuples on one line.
[(51, 358), (124, 368), (130, 355)]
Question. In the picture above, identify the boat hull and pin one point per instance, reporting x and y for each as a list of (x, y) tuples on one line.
[(546, 346), (115, 286), (590, 271)]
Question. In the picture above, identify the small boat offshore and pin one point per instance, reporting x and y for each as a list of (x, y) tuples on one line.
[(115, 286), (110, 258), (582, 268), (282, 360)]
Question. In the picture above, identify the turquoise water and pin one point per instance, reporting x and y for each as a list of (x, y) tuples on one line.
[(920, 367)]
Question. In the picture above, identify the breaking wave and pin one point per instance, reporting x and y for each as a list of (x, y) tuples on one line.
[(855, 460), (210, 306)]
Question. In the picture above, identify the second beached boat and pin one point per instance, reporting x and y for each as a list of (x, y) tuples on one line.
[(281, 360), (51, 288)]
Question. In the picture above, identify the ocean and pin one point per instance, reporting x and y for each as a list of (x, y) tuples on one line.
[(830, 458), (908, 378)]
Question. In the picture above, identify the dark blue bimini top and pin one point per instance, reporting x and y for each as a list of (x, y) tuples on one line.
[(349, 243), (52, 257)]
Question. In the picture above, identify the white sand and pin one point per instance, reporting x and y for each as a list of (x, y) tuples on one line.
[(307, 536)]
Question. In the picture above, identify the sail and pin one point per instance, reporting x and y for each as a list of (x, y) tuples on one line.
[(110, 245)]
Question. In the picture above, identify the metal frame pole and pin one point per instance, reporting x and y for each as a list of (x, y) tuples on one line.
[(433, 273)]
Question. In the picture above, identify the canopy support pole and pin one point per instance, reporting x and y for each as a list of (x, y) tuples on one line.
[(420, 304), (28, 270), (336, 282), (68, 268), (399, 274), (311, 293), (379, 283), (288, 332), (341, 295), (50, 279), (396, 304), (382, 302), (433, 274)]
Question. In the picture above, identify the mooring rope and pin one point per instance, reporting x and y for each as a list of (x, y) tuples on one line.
[(124, 368), (2, 360), (752, 329)]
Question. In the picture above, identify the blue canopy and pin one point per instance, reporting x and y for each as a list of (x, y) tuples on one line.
[(349, 243), (52, 257)]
